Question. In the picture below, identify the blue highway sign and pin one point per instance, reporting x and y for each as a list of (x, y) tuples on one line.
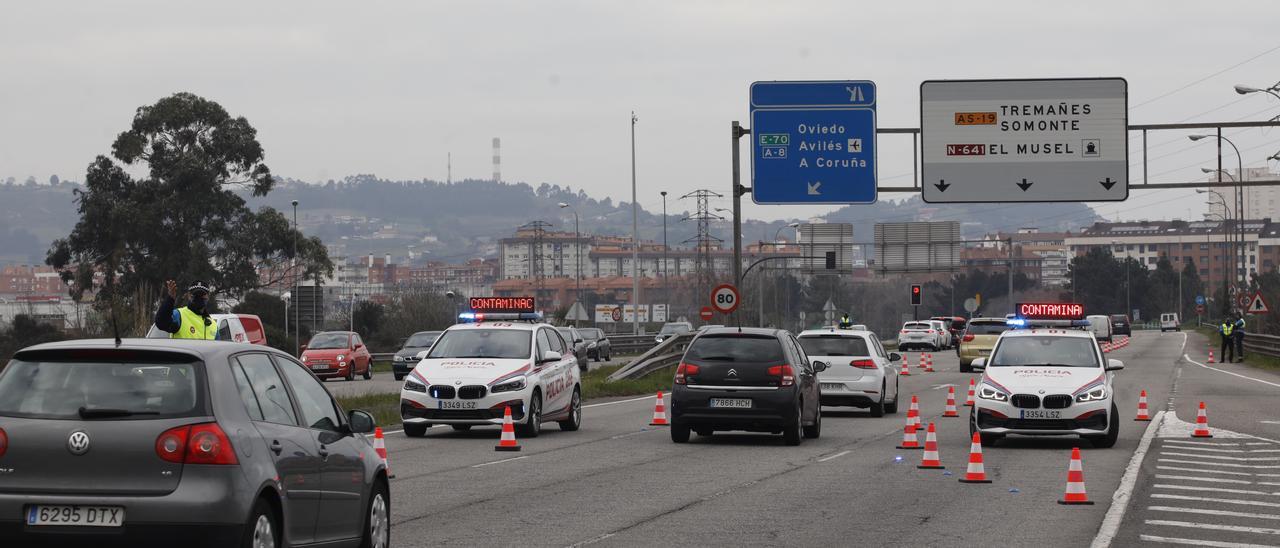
[(813, 142)]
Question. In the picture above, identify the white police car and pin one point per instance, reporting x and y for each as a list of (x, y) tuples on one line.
[(476, 370), (1046, 381)]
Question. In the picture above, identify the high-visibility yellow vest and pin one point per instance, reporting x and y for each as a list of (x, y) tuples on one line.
[(1226, 329), (193, 326)]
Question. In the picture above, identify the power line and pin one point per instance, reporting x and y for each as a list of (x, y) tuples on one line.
[(1197, 81)]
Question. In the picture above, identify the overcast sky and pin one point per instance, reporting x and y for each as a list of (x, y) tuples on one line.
[(339, 88)]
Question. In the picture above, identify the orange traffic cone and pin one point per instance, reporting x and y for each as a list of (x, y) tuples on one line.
[(928, 364), (1075, 481), (913, 413), (930, 458), (968, 400), (905, 363), (1142, 408), (951, 403), (508, 440), (1210, 356), (909, 440), (1202, 424), (975, 473), (380, 447), (659, 413)]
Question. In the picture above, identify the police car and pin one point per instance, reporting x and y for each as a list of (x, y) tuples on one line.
[(490, 362), (1045, 377)]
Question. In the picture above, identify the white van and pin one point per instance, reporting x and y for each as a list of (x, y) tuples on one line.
[(1100, 325), (1169, 320)]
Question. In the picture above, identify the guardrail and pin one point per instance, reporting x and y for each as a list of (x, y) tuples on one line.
[(665, 354), (1266, 345), (630, 344)]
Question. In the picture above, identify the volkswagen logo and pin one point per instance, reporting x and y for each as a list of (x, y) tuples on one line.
[(78, 443), (733, 372)]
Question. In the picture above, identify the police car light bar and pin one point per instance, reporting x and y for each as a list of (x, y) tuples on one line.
[(1051, 311), (468, 317)]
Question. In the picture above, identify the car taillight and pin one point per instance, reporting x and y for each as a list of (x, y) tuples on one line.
[(685, 370), (968, 338), (904, 331), (863, 364), (4, 442), (930, 331), (203, 443), (784, 371)]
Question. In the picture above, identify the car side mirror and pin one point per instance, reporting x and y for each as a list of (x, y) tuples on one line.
[(979, 364), (421, 355), (820, 366), (577, 341), (358, 346), (303, 348), (361, 422), (1114, 364), (550, 356), (895, 357)]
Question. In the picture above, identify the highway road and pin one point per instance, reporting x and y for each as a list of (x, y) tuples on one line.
[(620, 482)]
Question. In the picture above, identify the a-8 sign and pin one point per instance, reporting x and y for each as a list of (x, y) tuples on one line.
[(724, 298)]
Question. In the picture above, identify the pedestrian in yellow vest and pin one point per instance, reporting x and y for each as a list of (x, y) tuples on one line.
[(191, 321)]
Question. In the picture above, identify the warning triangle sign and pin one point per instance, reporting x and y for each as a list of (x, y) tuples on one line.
[(1257, 305)]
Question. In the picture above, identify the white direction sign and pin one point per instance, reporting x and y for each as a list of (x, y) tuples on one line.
[(1063, 140)]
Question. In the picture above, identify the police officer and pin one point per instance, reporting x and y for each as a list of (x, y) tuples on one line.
[(191, 321), (1237, 333), (1228, 344), (845, 321)]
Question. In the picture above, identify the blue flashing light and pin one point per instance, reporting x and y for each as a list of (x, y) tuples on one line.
[(470, 317), (1016, 322)]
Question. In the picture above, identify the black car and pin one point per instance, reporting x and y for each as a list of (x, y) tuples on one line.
[(752, 379), (1120, 325), (598, 345), (407, 357), (574, 339)]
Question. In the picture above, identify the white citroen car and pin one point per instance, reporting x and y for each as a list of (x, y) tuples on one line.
[(858, 369), (1046, 382), (476, 370)]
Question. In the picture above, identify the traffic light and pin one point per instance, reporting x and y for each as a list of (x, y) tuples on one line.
[(831, 260), (915, 294)]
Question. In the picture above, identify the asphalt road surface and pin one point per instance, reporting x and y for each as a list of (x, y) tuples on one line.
[(620, 482)]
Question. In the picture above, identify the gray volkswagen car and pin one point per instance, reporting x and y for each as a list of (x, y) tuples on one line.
[(164, 442)]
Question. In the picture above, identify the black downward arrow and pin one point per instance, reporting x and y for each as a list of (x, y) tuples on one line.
[(1107, 184), (942, 185), (1024, 185)]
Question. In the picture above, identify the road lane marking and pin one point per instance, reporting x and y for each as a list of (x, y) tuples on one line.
[(1226, 464), (499, 461), (1203, 470), (1215, 526), (1214, 489), (1197, 478), (642, 398), (1197, 542), (1209, 512), (592, 540), (629, 434), (1206, 443), (1193, 448), (835, 456), (1188, 358), (1214, 499), (1220, 457), (1120, 499)]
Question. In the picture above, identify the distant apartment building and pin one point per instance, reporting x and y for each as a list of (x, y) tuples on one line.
[(1042, 256), (1206, 243), (28, 281), (1260, 202)]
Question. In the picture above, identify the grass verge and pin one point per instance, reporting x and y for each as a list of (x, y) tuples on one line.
[(386, 407), (1253, 359)]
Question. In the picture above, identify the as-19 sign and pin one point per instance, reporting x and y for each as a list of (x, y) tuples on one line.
[(1051, 311)]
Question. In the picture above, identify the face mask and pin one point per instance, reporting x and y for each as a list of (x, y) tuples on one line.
[(198, 304)]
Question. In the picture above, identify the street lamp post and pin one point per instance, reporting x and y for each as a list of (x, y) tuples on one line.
[(635, 237), (577, 257), (1238, 276), (1227, 237), (666, 285), (297, 322), (352, 313), (287, 295)]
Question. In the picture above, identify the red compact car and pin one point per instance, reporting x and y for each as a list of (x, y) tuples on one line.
[(338, 354)]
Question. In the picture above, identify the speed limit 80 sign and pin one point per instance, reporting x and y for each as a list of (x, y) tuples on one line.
[(724, 298)]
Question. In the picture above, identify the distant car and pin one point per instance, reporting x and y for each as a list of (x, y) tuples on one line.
[(1044, 382), (407, 356), (577, 343), (858, 372), (672, 328), (919, 335), (189, 443), (332, 354), (752, 379), (598, 345), (955, 327), (1120, 325), (979, 338), (1100, 326), (243, 328), (941, 327), (477, 370), (1169, 322)]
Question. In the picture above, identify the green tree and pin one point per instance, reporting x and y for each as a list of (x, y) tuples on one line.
[(181, 220)]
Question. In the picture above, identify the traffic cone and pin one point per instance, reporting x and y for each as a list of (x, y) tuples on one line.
[(909, 440), (928, 364), (1075, 481), (1202, 424), (930, 457), (1210, 356), (968, 400), (1142, 408), (380, 447), (659, 413), (920, 361), (913, 413), (951, 403), (975, 473), (508, 440), (904, 371)]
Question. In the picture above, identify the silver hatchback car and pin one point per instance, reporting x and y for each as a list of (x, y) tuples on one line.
[(165, 442)]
